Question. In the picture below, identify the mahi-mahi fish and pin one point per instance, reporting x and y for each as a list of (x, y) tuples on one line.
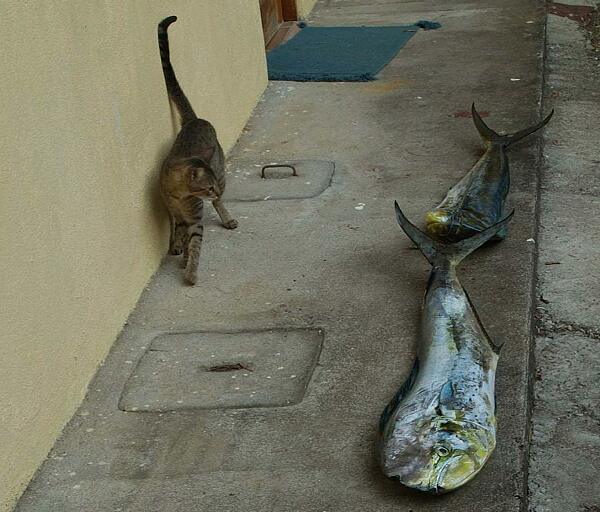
[(476, 202), (440, 428)]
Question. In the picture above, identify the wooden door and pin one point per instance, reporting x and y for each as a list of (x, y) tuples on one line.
[(273, 13)]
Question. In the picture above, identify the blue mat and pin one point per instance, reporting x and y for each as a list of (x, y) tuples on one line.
[(338, 54)]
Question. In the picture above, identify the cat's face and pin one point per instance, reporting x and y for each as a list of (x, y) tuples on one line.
[(194, 177), (202, 182)]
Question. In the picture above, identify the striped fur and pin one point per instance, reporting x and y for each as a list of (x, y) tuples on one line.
[(193, 170), (173, 88)]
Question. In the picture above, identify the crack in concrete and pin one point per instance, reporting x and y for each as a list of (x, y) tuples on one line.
[(546, 324)]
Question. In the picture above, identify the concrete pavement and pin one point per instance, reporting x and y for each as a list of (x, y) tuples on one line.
[(334, 265), (565, 450)]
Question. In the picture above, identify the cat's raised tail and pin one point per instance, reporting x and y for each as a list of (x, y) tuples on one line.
[(173, 88)]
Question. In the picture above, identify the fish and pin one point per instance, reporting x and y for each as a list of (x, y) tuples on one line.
[(439, 429), (476, 202)]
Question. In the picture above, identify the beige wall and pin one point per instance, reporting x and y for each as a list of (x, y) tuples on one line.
[(304, 7), (85, 122)]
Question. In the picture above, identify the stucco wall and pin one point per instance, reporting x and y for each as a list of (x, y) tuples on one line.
[(85, 122), (304, 7)]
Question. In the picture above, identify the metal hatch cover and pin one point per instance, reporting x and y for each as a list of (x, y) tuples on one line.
[(245, 180), (220, 370)]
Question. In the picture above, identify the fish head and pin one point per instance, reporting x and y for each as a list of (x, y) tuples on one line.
[(438, 222), (441, 454)]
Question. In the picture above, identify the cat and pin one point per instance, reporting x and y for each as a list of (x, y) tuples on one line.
[(193, 170)]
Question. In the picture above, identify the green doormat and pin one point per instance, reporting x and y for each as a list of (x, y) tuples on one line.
[(339, 54)]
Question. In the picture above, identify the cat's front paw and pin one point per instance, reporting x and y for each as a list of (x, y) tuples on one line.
[(231, 224)]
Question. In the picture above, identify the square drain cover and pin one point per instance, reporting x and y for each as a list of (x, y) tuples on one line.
[(214, 370)]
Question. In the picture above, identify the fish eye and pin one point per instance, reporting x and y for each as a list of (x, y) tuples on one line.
[(441, 450)]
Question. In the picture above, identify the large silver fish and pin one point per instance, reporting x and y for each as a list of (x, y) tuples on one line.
[(440, 428), (476, 202)]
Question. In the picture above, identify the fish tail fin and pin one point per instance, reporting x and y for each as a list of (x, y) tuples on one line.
[(454, 253), (428, 246), (491, 137), (487, 134)]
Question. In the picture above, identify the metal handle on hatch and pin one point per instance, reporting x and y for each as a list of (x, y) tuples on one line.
[(270, 166)]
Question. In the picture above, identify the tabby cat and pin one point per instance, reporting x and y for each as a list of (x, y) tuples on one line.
[(193, 170)]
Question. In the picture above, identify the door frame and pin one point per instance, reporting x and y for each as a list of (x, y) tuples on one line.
[(289, 10), (278, 17)]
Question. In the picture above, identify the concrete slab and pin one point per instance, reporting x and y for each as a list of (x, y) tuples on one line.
[(565, 446), (565, 453), (336, 261), (220, 370), (570, 250), (570, 242)]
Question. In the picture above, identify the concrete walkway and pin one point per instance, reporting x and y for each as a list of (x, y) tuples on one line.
[(565, 452), (330, 286)]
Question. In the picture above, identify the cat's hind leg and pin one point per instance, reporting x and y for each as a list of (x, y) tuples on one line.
[(228, 221)]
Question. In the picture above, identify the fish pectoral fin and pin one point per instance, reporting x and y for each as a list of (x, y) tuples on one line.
[(446, 393), (400, 394)]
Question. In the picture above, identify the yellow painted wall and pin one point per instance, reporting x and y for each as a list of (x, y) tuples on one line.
[(85, 122), (304, 7)]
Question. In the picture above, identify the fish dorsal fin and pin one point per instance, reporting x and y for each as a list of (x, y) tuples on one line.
[(495, 346), (399, 396)]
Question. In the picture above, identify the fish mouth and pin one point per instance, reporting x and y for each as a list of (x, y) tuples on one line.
[(433, 485), (429, 489), (438, 488), (439, 480), (445, 483), (438, 222)]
